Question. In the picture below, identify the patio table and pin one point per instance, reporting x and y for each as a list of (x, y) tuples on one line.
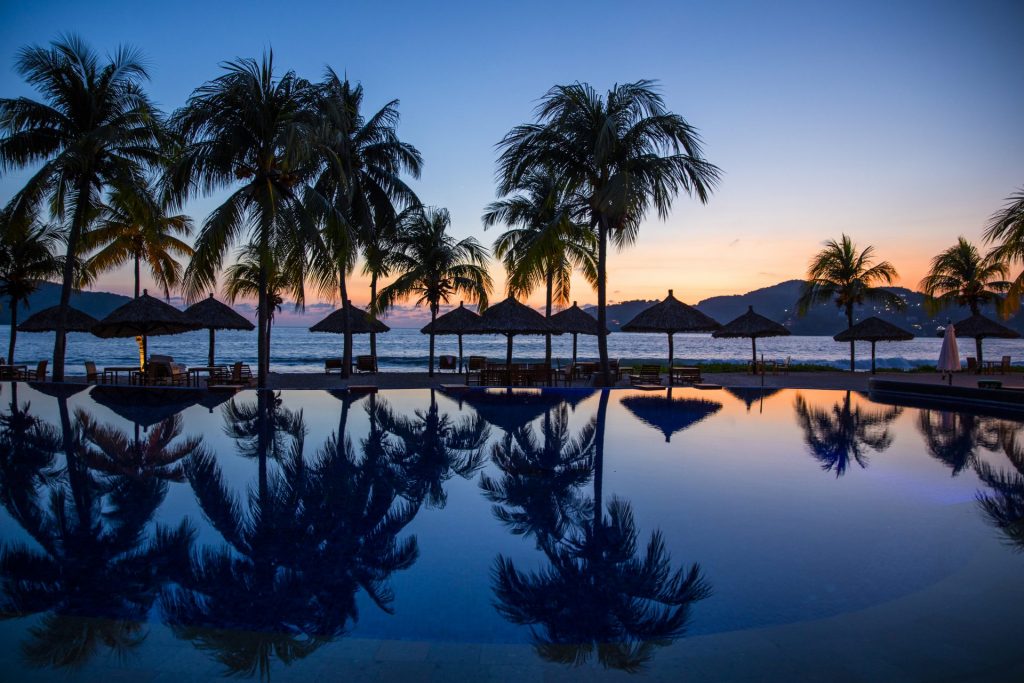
[(112, 374)]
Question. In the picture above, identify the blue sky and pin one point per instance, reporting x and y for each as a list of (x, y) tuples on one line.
[(899, 123)]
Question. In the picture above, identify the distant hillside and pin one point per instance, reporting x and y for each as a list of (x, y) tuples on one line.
[(96, 304), (778, 302)]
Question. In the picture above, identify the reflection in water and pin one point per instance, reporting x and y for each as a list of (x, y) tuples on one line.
[(308, 539), (597, 594), (433, 447), (1003, 506), (842, 434), (155, 455), (669, 415), (94, 573), (954, 438)]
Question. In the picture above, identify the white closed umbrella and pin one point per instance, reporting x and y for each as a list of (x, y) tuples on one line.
[(949, 354)]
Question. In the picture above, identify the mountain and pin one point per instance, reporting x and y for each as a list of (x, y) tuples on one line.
[(778, 302), (96, 304)]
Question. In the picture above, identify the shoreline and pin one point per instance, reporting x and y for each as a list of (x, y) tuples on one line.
[(826, 380)]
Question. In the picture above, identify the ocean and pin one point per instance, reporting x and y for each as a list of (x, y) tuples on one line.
[(296, 349)]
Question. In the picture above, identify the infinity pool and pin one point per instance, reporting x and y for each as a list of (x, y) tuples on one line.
[(573, 534)]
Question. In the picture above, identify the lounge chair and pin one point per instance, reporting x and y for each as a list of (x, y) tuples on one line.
[(1004, 367), (39, 375), (366, 365), (686, 375), (477, 363), (92, 375), (648, 374), (241, 376), (448, 363), (332, 365), (972, 364), (163, 370)]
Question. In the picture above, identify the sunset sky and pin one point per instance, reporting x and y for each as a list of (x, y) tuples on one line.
[(898, 123)]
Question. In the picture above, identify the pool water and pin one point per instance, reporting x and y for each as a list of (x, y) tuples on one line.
[(738, 534)]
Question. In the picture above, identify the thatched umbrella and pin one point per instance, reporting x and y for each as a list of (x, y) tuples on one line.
[(668, 317), (359, 321), (751, 325), (510, 408), (510, 318), (144, 317), (575, 321), (980, 327), (144, 407), (46, 321), (214, 315), (458, 321), (873, 330), (670, 415), (751, 394)]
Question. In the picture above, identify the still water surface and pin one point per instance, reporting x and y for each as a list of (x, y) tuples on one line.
[(255, 535)]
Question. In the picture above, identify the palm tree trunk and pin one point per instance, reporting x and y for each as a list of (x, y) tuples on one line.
[(547, 316), (849, 324), (346, 328), (602, 293), (137, 276), (78, 222), (262, 325), (602, 415), (14, 331), (373, 306), (433, 318)]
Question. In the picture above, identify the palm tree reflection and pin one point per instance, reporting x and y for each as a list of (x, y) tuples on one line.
[(954, 438), (842, 434), (1003, 506), (601, 594), (94, 571), (307, 539)]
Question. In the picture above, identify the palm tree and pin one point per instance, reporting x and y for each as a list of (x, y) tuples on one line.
[(27, 257), (94, 129), (158, 455), (1006, 229), (362, 178), (842, 434), (433, 266), (618, 155), (543, 243), (135, 226), (849, 277), (250, 126), (281, 276), (961, 276), (538, 492)]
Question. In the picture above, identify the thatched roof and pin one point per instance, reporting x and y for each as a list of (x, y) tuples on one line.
[(873, 329), (513, 317), (510, 408), (58, 390), (980, 326), (144, 406), (574, 320), (144, 316), (669, 415), (749, 325), (750, 395), (212, 314), (459, 320), (359, 322), (670, 316), (46, 321)]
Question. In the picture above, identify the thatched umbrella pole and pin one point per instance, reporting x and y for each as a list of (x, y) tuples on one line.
[(574, 335), (460, 353), (753, 353), (671, 356), (508, 358), (213, 343)]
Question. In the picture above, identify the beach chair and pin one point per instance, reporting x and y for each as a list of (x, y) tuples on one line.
[(163, 370), (448, 363), (686, 375), (477, 363), (972, 364), (39, 375), (332, 365), (366, 365), (92, 375), (241, 376), (1004, 367), (648, 374)]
